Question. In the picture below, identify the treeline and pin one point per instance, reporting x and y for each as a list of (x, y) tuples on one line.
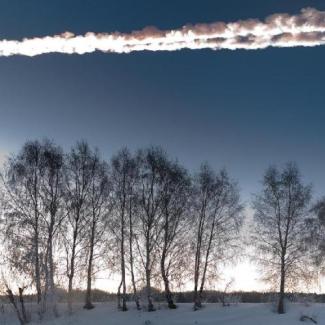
[(210, 296), (68, 215)]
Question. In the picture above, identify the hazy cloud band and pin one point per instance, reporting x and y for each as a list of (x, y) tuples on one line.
[(278, 30)]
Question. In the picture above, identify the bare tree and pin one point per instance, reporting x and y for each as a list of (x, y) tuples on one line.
[(224, 293), (316, 237), (14, 278), (132, 225), (53, 213), (175, 187), (78, 181), (20, 310), (123, 179), (21, 180), (99, 197), (151, 161), (281, 210), (217, 221)]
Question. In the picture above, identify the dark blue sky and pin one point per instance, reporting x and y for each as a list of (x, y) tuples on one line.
[(239, 109)]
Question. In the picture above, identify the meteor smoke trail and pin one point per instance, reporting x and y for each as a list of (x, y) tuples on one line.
[(278, 30)]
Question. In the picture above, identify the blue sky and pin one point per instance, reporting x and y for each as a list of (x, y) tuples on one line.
[(239, 109)]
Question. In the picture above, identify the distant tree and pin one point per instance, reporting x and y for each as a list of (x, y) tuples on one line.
[(224, 294), (316, 239), (281, 211), (217, 220)]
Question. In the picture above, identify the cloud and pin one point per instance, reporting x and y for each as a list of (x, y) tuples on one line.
[(278, 30)]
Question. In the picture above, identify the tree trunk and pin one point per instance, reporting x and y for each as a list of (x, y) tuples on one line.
[(148, 290), (168, 294), (47, 283), (281, 309), (11, 298), (135, 293), (119, 307), (71, 274), (36, 240), (124, 308), (88, 302), (70, 294), (37, 265), (148, 274), (197, 299), (22, 305), (136, 298), (199, 296), (52, 293)]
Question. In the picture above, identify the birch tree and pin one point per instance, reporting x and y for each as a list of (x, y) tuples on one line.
[(281, 211), (124, 171), (78, 177), (21, 180), (217, 221), (53, 213), (133, 223), (100, 207), (175, 189), (151, 161), (316, 239)]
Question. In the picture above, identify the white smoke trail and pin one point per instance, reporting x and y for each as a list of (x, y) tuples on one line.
[(278, 30)]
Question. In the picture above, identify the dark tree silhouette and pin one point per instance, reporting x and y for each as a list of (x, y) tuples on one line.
[(281, 211), (123, 177), (98, 216), (217, 221), (175, 189), (22, 182), (78, 182)]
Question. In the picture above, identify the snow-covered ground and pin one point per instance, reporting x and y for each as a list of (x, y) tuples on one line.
[(211, 314)]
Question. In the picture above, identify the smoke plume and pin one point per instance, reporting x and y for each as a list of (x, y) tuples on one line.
[(278, 30)]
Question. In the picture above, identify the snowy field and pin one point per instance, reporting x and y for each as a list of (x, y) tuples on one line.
[(211, 314)]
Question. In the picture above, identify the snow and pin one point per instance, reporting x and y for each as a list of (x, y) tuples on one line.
[(241, 314)]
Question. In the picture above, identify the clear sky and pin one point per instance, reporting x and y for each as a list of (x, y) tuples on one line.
[(239, 109)]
